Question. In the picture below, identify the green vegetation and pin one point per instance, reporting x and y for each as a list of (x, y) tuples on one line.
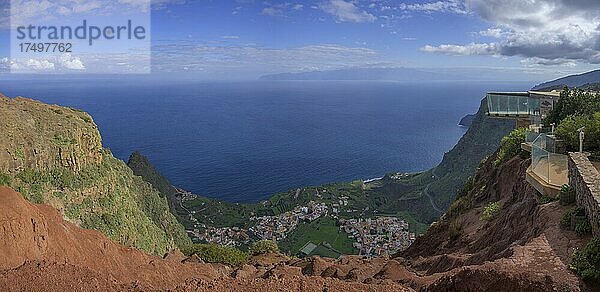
[(586, 263), (490, 211), (566, 188), (462, 202), (109, 198), (567, 131), (413, 225), (574, 102), (321, 230), (545, 199), (61, 140), (5, 179), (263, 246), (583, 228), (480, 140), (213, 253), (565, 219), (510, 146), (576, 109)]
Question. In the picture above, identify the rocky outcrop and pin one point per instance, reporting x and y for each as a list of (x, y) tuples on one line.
[(41, 136), (54, 154), (467, 120)]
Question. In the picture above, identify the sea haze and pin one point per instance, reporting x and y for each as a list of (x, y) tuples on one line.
[(244, 141)]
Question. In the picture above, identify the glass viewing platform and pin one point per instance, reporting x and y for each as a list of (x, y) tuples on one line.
[(512, 104)]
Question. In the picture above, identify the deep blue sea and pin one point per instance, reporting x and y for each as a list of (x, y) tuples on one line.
[(244, 141)]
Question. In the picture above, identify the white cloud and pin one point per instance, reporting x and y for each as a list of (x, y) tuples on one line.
[(533, 62), (24, 11), (272, 11), (492, 32), (456, 6), (549, 32), (69, 62), (46, 64), (463, 50), (253, 60), (32, 65), (346, 11)]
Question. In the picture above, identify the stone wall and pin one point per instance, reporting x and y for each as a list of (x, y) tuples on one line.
[(585, 179)]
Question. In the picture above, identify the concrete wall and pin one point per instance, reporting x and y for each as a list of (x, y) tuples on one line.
[(585, 179)]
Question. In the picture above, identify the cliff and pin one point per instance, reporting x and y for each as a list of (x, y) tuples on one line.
[(54, 155), (481, 139), (519, 248)]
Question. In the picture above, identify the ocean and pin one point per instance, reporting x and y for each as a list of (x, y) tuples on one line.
[(245, 141)]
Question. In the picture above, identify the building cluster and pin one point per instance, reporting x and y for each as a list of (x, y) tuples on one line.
[(230, 236), (378, 236), (277, 227)]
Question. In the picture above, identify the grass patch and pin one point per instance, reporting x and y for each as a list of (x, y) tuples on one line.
[(321, 230), (5, 179), (490, 211), (413, 225), (213, 253), (263, 246)]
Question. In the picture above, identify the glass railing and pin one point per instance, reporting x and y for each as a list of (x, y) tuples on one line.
[(558, 169), (511, 104), (539, 162), (530, 136), (551, 167)]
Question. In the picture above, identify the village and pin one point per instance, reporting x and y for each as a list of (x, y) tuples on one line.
[(380, 236)]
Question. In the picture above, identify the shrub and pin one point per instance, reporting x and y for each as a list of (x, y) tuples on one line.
[(565, 188), (510, 146), (544, 199), (5, 179), (490, 211), (455, 230), (213, 253), (565, 219), (263, 246), (586, 263), (583, 228), (567, 131)]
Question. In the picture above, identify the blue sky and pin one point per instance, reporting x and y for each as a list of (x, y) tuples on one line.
[(243, 39)]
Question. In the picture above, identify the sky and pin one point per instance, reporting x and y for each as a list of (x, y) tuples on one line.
[(244, 39)]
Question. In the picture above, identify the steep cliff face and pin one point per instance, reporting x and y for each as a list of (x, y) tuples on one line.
[(41, 137), (458, 164), (54, 155)]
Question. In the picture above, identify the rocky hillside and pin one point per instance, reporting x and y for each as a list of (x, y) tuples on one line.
[(41, 252), (518, 247), (54, 155)]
